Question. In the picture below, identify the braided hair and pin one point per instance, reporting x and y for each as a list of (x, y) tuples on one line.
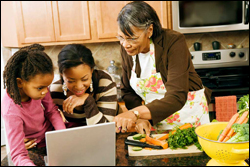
[(25, 64)]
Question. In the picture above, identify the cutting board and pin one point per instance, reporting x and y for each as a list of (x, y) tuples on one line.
[(190, 149)]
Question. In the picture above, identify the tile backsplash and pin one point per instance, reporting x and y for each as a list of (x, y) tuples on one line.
[(103, 53)]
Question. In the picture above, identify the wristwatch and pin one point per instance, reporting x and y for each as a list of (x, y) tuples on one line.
[(136, 114)]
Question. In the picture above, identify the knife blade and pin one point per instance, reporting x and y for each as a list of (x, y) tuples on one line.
[(141, 144)]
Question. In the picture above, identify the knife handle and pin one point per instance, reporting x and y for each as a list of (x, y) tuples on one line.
[(134, 143)]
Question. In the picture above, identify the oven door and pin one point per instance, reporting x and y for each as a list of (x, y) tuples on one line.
[(226, 81)]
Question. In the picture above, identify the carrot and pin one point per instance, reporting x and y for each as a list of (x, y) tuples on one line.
[(156, 142), (185, 126), (240, 121), (228, 127), (165, 145), (148, 148), (164, 137), (234, 134), (245, 121), (153, 141), (143, 140), (243, 117), (230, 133), (173, 131)]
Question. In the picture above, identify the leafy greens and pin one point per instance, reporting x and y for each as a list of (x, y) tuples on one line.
[(183, 138)]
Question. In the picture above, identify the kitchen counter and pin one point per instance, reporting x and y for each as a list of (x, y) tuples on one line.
[(122, 158)]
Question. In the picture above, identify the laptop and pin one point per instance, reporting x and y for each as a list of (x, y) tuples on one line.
[(92, 145)]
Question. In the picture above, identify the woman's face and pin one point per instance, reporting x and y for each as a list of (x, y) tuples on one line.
[(78, 79), (139, 43)]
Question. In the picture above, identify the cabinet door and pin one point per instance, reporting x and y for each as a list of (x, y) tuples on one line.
[(34, 21), (106, 16), (163, 10), (71, 20)]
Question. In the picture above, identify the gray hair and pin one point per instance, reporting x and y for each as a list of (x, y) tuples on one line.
[(140, 15)]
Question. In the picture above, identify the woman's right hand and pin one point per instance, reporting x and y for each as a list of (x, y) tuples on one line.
[(29, 143), (143, 125), (73, 101)]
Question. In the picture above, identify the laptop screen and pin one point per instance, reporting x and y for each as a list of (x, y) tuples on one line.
[(85, 145)]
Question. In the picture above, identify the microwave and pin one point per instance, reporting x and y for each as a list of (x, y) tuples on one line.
[(210, 16)]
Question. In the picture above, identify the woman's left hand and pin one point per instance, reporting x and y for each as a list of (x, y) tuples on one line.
[(73, 101), (143, 126), (124, 121)]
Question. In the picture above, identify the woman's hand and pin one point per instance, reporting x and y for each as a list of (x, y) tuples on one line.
[(141, 125), (124, 121), (73, 101), (29, 143)]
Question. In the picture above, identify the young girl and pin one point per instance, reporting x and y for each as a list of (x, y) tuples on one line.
[(87, 96), (27, 107)]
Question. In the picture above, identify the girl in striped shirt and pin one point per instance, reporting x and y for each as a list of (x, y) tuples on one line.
[(85, 95)]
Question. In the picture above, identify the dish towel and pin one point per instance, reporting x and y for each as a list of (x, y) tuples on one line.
[(225, 107)]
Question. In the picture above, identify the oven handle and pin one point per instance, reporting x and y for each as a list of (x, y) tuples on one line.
[(246, 17), (209, 76)]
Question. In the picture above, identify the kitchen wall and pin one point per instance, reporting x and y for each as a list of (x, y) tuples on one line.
[(104, 52)]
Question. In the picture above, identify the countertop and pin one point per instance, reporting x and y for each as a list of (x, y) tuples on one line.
[(122, 158)]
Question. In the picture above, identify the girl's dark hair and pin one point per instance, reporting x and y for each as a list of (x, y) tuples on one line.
[(25, 64), (73, 55), (141, 15)]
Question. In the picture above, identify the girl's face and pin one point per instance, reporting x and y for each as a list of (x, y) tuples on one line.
[(36, 88), (78, 79), (139, 43)]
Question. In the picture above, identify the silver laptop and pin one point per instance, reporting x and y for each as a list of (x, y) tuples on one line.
[(92, 145)]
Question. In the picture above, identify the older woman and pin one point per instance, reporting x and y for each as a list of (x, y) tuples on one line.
[(157, 69)]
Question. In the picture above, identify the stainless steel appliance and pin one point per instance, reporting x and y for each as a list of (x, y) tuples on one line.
[(225, 71), (210, 16)]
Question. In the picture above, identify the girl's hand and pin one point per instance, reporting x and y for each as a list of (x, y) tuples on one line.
[(141, 125), (73, 101), (29, 143), (124, 121)]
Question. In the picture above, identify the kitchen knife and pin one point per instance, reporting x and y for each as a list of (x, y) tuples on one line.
[(141, 144)]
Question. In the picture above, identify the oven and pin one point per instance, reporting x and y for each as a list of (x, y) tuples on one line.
[(225, 72)]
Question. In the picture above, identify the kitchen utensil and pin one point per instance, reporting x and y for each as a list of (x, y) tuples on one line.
[(197, 46), (216, 45), (231, 46), (141, 144), (222, 153)]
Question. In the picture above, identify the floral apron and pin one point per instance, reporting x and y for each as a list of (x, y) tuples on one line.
[(150, 87)]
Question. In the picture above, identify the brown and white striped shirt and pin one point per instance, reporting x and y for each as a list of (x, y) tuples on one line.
[(99, 107)]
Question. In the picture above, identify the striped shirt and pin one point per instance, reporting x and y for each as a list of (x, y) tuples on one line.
[(99, 107)]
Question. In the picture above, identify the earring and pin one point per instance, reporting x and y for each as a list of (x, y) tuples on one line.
[(91, 86), (64, 87)]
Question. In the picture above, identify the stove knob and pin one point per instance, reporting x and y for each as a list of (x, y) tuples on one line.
[(241, 54), (232, 54)]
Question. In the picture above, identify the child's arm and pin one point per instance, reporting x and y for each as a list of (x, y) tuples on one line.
[(51, 112), (15, 136)]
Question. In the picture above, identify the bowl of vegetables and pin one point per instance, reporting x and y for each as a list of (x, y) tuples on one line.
[(228, 153)]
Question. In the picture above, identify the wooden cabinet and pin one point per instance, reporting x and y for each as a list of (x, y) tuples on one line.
[(64, 22), (52, 21), (106, 15), (163, 10), (34, 21), (71, 20)]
